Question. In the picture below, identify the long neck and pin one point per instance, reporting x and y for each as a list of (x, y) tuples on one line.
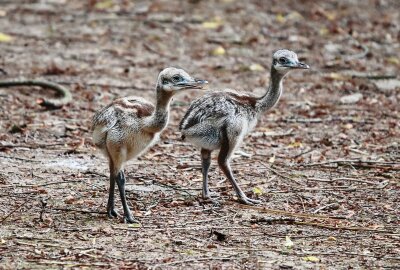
[(159, 119), (274, 91)]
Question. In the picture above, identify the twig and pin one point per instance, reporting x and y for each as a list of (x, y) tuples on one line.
[(286, 213), (347, 161), (341, 178), (23, 159), (323, 207), (15, 210), (77, 210), (303, 153), (49, 183), (356, 228), (160, 266), (205, 220), (65, 94)]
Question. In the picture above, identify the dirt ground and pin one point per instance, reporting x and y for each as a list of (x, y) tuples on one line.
[(325, 161)]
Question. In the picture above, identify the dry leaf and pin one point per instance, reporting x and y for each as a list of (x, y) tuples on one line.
[(337, 76), (323, 31), (311, 259), (218, 51), (256, 67), (288, 242), (393, 60), (280, 18), (331, 238), (5, 37), (217, 22), (258, 191), (295, 145), (104, 4), (135, 225), (271, 159)]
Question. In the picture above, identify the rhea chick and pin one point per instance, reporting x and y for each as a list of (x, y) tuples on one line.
[(220, 120), (128, 126)]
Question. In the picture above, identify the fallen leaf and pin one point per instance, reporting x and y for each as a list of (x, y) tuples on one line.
[(5, 37), (188, 252), (288, 242), (217, 22), (280, 18), (258, 191), (218, 51), (311, 259), (337, 76), (295, 145), (135, 225), (256, 67), (104, 4), (271, 159), (295, 16), (331, 238), (393, 60), (70, 199), (323, 31)]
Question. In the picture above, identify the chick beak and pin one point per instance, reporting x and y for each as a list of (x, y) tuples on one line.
[(195, 84), (301, 65)]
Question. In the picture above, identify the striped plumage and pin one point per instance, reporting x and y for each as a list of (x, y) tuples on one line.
[(220, 120), (128, 126)]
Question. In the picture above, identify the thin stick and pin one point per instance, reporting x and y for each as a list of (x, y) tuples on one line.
[(64, 93), (286, 213), (15, 210)]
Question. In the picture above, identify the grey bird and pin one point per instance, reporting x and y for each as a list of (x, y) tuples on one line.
[(220, 120), (128, 126)]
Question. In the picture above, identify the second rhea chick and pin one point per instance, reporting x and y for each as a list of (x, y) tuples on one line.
[(221, 119), (128, 126)]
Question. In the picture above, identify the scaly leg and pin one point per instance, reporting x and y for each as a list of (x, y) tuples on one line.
[(111, 213), (227, 148), (121, 186), (205, 162)]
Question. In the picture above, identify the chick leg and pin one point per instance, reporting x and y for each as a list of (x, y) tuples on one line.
[(111, 213), (227, 147), (121, 186), (206, 162)]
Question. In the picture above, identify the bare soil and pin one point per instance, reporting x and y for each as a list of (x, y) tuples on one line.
[(325, 161)]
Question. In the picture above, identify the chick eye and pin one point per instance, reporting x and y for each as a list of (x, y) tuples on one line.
[(283, 60), (164, 81), (177, 78)]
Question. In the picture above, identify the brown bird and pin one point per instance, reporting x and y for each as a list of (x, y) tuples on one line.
[(128, 126), (220, 120)]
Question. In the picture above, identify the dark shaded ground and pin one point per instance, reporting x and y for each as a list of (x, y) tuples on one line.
[(314, 155)]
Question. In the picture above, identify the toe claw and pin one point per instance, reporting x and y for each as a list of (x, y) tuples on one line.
[(129, 219), (209, 200), (112, 213), (248, 201)]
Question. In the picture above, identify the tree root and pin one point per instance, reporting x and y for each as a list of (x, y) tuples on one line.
[(64, 93)]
